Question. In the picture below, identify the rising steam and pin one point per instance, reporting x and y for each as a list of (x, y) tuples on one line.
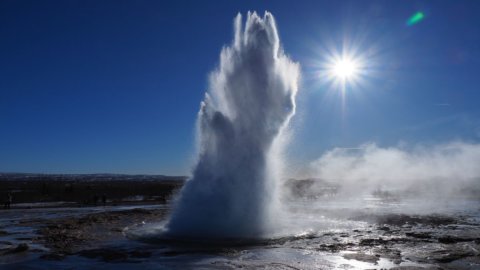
[(439, 170), (250, 100)]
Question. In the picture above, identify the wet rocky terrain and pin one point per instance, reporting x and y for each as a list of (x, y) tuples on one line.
[(445, 242), (394, 241), (378, 234)]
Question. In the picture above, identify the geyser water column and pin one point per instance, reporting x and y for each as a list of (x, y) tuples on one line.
[(251, 97)]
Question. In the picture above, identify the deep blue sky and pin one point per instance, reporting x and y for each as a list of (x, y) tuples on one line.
[(114, 86)]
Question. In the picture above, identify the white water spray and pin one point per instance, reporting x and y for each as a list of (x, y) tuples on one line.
[(250, 100)]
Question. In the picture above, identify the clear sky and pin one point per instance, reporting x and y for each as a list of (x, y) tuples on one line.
[(115, 86)]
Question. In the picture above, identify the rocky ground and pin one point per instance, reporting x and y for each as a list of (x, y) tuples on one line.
[(81, 235), (431, 241), (74, 236), (73, 230)]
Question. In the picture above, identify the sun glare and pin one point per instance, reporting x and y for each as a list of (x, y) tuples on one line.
[(344, 69)]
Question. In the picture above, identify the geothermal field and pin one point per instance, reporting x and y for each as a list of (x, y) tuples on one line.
[(325, 228), (368, 207)]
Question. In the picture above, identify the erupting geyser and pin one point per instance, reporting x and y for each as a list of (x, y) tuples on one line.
[(250, 100)]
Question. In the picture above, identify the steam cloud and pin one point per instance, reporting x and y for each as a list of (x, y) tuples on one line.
[(250, 100), (440, 169)]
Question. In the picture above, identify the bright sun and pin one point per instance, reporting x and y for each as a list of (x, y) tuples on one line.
[(344, 69)]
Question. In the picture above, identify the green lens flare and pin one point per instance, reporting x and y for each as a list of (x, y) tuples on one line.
[(415, 18)]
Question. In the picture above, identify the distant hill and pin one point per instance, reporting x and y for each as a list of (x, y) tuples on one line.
[(87, 177)]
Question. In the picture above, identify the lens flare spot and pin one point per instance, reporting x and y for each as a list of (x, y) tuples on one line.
[(416, 18)]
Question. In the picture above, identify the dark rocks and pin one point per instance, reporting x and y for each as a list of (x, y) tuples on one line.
[(384, 228), (140, 254), (113, 254), (53, 257), (172, 253), (19, 248), (453, 239), (406, 221), (402, 219), (107, 255), (420, 235), (372, 242), (335, 247)]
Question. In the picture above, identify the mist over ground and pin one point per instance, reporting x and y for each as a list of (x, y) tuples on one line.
[(437, 171)]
